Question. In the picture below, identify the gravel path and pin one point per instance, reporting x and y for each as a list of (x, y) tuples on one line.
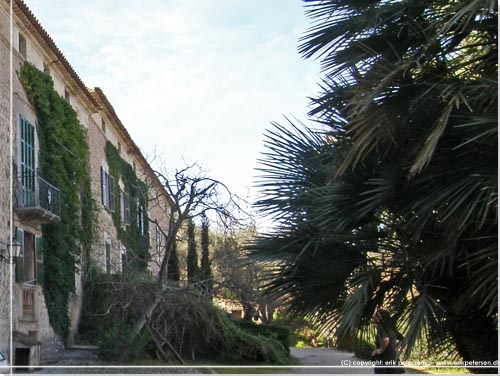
[(313, 360), (81, 360), (309, 361)]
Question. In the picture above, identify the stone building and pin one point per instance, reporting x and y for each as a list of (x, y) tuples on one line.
[(5, 207), (33, 201)]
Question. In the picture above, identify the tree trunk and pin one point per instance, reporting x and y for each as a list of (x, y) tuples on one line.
[(143, 319), (248, 311), (476, 337), (156, 334)]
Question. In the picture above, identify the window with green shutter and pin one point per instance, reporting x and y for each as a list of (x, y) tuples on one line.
[(27, 167), (107, 190)]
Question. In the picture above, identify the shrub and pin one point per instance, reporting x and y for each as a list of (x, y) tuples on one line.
[(277, 332)]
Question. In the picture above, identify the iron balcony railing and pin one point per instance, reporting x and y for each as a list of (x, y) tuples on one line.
[(38, 194)]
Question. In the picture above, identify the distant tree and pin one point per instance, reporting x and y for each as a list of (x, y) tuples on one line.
[(173, 273), (239, 278), (192, 253), (205, 275)]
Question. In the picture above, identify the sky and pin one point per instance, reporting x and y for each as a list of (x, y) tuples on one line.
[(191, 80)]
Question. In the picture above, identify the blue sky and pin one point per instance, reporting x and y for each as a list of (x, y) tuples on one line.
[(195, 80)]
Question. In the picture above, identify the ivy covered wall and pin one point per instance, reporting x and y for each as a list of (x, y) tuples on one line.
[(134, 237), (63, 161)]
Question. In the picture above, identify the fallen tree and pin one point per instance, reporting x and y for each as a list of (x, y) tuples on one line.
[(183, 326)]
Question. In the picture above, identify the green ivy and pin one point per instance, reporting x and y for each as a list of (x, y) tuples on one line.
[(63, 161), (130, 235)]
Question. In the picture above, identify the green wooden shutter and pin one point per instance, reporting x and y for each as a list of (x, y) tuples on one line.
[(20, 258), (111, 189), (103, 188), (39, 260)]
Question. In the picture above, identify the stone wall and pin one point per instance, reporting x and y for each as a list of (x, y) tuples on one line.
[(5, 198), (38, 327), (4, 308), (106, 230), (158, 211)]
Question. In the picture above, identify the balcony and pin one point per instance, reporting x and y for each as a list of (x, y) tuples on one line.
[(38, 201)]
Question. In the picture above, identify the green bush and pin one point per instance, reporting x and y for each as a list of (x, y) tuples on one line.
[(300, 331), (239, 344), (362, 348), (276, 332), (108, 316)]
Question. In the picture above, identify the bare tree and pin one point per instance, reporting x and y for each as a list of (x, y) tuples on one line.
[(239, 278), (191, 194)]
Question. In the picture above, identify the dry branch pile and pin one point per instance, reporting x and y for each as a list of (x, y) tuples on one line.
[(184, 326)]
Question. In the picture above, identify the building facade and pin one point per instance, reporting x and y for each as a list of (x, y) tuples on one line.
[(34, 201), (5, 207)]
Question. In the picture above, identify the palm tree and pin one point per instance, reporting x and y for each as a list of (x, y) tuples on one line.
[(395, 204)]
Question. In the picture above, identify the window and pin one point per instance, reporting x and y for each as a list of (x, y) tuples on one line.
[(22, 45), (111, 188), (67, 96), (104, 188), (107, 190), (125, 207), (140, 218), (119, 148), (103, 125), (46, 68), (107, 256), (27, 163), (123, 257), (158, 240), (29, 263)]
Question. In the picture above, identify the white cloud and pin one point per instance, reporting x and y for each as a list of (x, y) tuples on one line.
[(193, 78)]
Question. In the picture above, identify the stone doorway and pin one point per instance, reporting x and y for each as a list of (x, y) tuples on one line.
[(22, 358)]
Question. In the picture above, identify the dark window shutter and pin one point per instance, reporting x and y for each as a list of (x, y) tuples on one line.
[(111, 189), (20, 257), (140, 218), (126, 201), (103, 187), (122, 206), (39, 260)]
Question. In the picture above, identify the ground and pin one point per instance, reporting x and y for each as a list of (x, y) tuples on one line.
[(309, 361), (338, 362)]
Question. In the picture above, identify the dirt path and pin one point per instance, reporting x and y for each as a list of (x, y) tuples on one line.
[(313, 360), (309, 361)]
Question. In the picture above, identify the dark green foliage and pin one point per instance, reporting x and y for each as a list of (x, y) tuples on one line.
[(111, 339), (279, 333), (63, 161), (206, 276), (191, 324), (241, 344), (192, 254), (395, 203), (173, 273), (111, 306), (130, 235)]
